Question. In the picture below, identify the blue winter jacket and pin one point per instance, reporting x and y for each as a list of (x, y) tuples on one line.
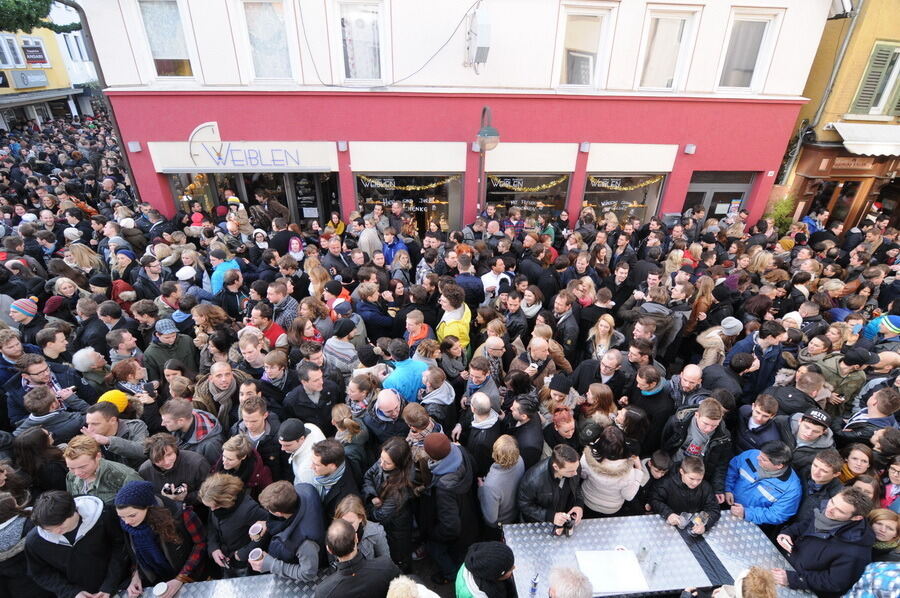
[(407, 378), (390, 250), (769, 500), (217, 280)]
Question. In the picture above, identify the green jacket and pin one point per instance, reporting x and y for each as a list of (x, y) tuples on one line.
[(466, 586), (111, 476), (847, 386), (158, 354)]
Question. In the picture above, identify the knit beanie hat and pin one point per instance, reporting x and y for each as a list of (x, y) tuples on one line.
[(560, 382), (333, 287), (891, 324), (489, 560), (53, 304), (437, 446), (343, 327), (27, 307), (126, 252), (116, 397), (72, 234), (100, 280), (136, 494)]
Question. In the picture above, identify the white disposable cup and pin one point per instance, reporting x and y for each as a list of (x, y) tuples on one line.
[(160, 588), (256, 529), (255, 554)]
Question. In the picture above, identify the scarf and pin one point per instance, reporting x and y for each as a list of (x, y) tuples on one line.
[(695, 443), (324, 483), (454, 314), (488, 423), (417, 439), (886, 546), (147, 550), (531, 311), (540, 363), (823, 524), (277, 382), (132, 388)]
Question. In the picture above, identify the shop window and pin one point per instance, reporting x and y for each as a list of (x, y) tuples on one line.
[(35, 53), (361, 40), (626, 196), (10, 57), (268, 39), (665, 53), (531, 193), (432, 198), (745, 47), (878, 90), (581, 47), (162, 22), (193, 187)]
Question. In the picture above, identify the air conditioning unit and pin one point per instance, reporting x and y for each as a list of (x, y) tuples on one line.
[(478, 38)]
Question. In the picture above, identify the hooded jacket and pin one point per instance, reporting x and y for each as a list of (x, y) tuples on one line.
[(204, 436), (67, 569), (439, 402), (451, 498), (217, 280), (771, 500), (802, 456), (295, 546), (607, 484), (64, 425), (718, 450), (829, 563)]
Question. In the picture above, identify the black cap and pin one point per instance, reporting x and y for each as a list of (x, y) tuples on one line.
[(708, 238), (860, 356), (292, 429), (560, 383), (817, 416)]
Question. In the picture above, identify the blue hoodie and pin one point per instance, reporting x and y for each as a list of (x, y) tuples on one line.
[(218, 276)]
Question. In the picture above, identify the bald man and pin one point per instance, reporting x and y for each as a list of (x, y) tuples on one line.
[(536, 362), (478, 428), (685, 387), (384, 417)]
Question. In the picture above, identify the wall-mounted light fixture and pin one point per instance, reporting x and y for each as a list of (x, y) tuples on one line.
[(584, 147), (690, 148), (342, 146), (134, 146)]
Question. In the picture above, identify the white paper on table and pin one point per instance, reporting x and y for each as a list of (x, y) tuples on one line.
[(612, 571)]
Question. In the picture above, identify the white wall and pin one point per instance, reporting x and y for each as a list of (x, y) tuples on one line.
[(525, 54), (80, 68)]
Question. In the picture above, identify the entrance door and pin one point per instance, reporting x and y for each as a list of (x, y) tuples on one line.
[(718, 193)]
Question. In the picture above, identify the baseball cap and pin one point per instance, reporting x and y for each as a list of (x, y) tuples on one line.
[(342, 307), (291, 430), (166, 326), (817, 416), (860, 356)]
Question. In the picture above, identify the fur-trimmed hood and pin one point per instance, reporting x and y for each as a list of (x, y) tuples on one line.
[(614, 468)]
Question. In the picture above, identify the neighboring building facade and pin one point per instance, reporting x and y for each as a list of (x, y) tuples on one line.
[(850, 157), (34, 83), (75, 55), (638, 107)]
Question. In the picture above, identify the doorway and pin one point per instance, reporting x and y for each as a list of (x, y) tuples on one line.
[(718, 193)]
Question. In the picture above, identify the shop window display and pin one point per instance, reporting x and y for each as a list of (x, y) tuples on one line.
[(533, 194), (425, 198), (627, 196)]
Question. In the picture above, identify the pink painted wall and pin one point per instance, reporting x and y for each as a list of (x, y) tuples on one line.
[(745, 135)]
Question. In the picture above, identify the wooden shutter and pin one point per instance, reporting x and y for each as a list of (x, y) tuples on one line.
[(876, 69), (894, 106)]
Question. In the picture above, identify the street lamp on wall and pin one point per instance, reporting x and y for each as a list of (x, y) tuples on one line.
[(487, 139)]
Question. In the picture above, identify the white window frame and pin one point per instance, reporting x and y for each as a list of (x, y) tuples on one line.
[(68, 41), (82, 49), (888, 95), (36, 41), (607, 11), (384, 48), (773, 19), (245, 48), (143, 53), (683, 62), (13, 50)]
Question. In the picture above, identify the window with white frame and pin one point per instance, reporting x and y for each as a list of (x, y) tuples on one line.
[(70, 47), (35, 53), (666, 50), (361, 40), (748, 51), (10, 56), (82, 49), (162, 22), (581, 48), (268, 39)]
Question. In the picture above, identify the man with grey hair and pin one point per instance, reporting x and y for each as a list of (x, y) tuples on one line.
[(566, 582), (93, 368)]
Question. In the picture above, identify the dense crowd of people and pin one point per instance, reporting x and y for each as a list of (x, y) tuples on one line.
[(216, 395)]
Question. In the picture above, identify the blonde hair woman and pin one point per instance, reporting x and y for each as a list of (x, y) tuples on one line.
[(838, 333), (85, 259), (318, 276), (703, 302), (121, 212), (603, 336), (674, 262), (589, 293), (401, 267), (760, 263)]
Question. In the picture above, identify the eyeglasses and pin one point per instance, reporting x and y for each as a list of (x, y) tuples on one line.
[(894, 470), (43, 371)]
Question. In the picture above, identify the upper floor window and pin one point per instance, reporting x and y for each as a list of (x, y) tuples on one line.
[(361, 40), (268, 39), (666, 49), (75, 47), (35, 53), (162, 22), (750, 42), (878, 91), (581, 49), (10, 57)]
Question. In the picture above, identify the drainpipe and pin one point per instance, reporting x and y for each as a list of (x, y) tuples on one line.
[(101, 80), (810, 126)]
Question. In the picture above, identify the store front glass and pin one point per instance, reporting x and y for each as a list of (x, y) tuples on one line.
[(719, 193), (429, 198), (626, 196), (533, 193)]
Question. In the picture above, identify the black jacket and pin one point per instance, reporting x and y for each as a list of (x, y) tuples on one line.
[(29, 331), (670, 495), (621, 292), (92, 333), (791, 400), (452, 503), (659, 408), (345, 485), (814, 497), (746, 439), (530, 438), (190, 468), (718, 376), (718, 451), (588, 371), (541, 496), (567, 333), (267, 446), (298, 404), (829, 563), (227, 528), (359, 577), (479, 442), (67, 569)]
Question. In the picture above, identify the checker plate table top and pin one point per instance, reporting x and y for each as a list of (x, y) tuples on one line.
[(256, 586), (667, 566), (740, 545)]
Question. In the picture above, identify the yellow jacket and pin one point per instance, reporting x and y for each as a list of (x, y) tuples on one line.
[(457, 328)]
